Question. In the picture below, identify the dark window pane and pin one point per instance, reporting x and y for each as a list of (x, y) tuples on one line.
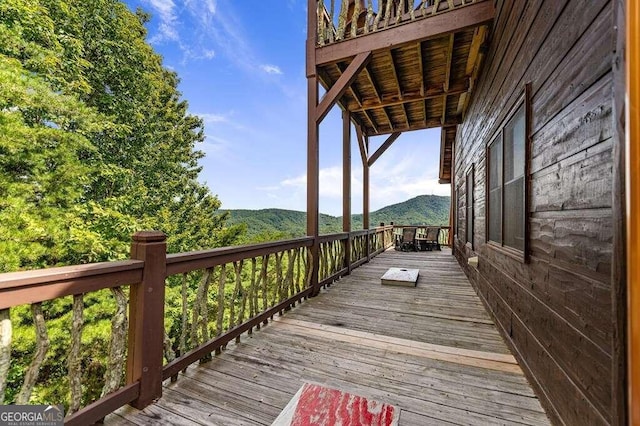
[(495, 164), (495, 190), (514, 215), (495, 215), (514, 144)]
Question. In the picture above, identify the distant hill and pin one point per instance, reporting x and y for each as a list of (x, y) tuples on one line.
[(269, 224)]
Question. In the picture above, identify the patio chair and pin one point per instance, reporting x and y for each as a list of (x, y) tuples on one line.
[(408, 241), (432, 238)]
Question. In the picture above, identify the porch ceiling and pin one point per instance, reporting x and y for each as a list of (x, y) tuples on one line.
[(418, 84)]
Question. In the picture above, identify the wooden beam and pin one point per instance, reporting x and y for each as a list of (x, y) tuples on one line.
[(447, 76), (363, 148), (368, 117), (390, 140), (346, 172), (365, 191), (454, 89), (421, 67), (470, 16), (341, 85), (406, 114), (394, 72), (376, 89), (313, 182), (433, 122), (384, 110)]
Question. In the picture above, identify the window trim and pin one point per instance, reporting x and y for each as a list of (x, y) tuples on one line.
[(524, 101), (469, 173)]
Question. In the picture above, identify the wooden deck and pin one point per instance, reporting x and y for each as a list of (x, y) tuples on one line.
[(432, 351)]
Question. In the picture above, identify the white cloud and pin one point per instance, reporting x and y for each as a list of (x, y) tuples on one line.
[(209, 54), (212, 118), (271, 69), (166, 11)]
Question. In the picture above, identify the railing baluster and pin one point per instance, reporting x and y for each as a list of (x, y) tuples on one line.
[(237, 269), (182, 346), (331, 15), (42, 345), (265, 284), (400, 11), (117, 343), (342, 19), (5, 349), (321, 22), (221, 305), (387, 13), (244, 294), (354, 19), (368, 19), (252, 292), (74, 362)]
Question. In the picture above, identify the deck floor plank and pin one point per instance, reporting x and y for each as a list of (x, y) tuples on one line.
[(432, 351)]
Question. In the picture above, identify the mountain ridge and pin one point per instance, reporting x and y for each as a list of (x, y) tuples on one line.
[(274, 223)]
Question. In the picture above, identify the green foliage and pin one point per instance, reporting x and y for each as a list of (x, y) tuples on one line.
[(95, 144), (275, 224)]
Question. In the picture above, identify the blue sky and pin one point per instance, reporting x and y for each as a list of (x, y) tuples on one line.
[(241, 65)]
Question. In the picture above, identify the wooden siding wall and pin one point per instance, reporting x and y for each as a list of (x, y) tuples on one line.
[(555, 310)]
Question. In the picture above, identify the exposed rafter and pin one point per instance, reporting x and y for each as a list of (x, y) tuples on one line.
[(447, 75), (376, 89), (454, 89), (394, 72), (421, 67), (406, 114), (433, 122), (384, 111)]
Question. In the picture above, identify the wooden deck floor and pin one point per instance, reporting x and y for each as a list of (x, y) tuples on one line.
[(431, 350)]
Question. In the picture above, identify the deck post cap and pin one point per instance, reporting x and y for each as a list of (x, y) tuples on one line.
[(149, 236)]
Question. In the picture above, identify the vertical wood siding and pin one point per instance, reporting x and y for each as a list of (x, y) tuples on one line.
[(555, 310)]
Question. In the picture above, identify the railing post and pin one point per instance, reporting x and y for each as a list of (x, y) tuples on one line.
[(146, 317), (383, 232)]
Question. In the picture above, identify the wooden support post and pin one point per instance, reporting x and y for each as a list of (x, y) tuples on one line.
[(365, 197), (346, 185), (146, 317), (313, 152)]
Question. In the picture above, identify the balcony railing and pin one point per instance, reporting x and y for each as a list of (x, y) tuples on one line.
[(344, 19), (166, 311)]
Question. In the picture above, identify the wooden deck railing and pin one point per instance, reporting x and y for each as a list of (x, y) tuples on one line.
[(343, 19), (214, 297)]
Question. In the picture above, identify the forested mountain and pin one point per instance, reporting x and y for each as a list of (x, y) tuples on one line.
[(278, 223)]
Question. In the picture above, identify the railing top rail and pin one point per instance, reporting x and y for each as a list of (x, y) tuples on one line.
[(186, 262), (12, 280), (18, 288), (333, 237)]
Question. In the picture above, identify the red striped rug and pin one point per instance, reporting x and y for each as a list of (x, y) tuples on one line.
[(321, 406)]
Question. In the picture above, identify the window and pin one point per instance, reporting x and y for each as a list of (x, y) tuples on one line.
[(506, 160), (469, 207)]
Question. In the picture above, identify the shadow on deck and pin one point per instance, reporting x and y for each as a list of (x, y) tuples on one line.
[(431, 350)]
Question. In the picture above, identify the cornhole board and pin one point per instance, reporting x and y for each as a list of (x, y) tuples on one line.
[(321, 406), (401, 277)]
